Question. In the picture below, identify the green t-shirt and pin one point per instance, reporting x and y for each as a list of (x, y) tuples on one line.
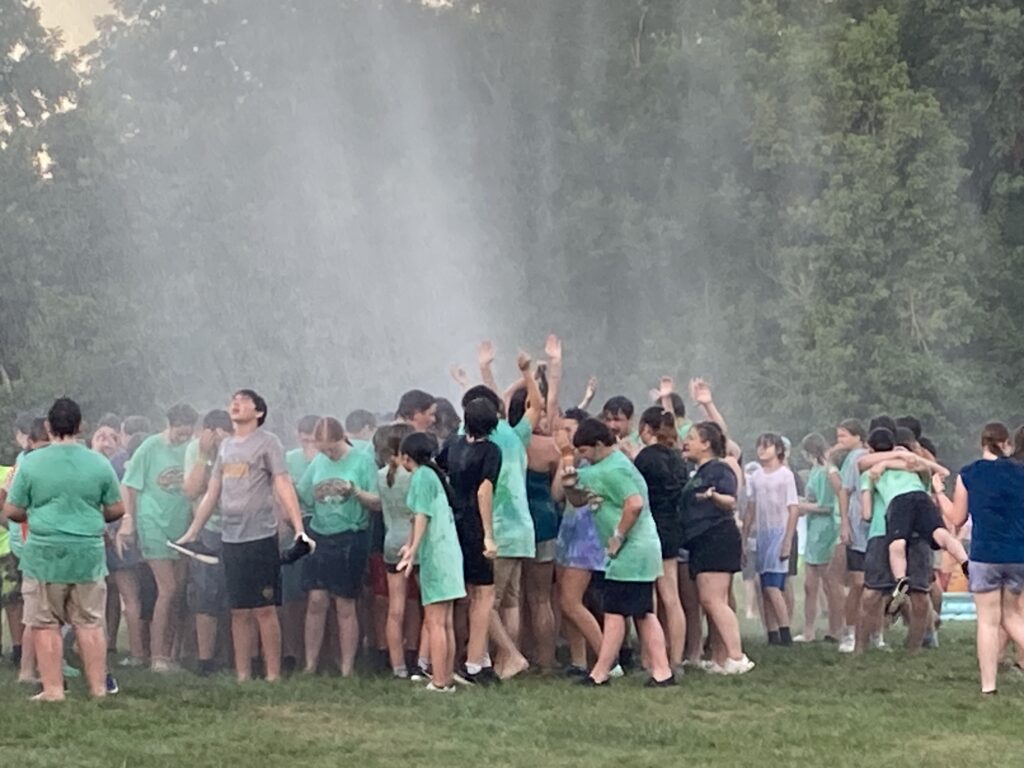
[(878, 507), (615, 479), (297, 464), (64, 487), (513, 525), (13, 528), (157, 473), (395, 510), (364, 446), (319, 489), (213, 525), (440, 556), (896, 482), (822, 529)]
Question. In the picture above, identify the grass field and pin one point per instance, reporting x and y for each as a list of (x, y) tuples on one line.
[(805, 706)]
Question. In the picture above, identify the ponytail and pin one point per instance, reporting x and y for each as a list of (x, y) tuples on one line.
[(421, 448)]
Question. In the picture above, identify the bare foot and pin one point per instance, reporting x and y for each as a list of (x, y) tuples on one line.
[(514, 667)]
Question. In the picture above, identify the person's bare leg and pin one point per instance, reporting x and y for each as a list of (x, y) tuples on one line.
[(832, 582), (242, 638), (920, 611), (293, 623), (92, 644), (270, 640), (853, 599), (436, 622), (789, 599), (481, 606), (413, 623), (689, 597), (870, 621), (989, 607), (713, 589), (572, 586), (951, 544), (206, 636), (317, 602), (165, 574), (675, 619), (394, 628), (49, 651), (775, 614), (538, 580), (898, 558), (509, 662), (652, 639), (348, 633), (611, 644), (128, 588), (812, 585), (27, 673)]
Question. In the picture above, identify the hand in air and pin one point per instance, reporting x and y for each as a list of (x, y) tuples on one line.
[(460, 376), (700, 391), (523, 361), (666, 386), (591, 388), (485, 354), (553, 348)]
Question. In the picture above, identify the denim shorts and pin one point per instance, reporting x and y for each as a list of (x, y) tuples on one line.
[(988, 577)]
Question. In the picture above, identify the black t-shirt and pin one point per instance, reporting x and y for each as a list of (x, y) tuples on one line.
[(665, 472), (701, 515), (468, 465)]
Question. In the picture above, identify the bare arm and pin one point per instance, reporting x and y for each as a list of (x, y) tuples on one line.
[(553, 349), (203, 511), (15, 514), (284, 492), (631, 510), (112, 512), (787, 541), (129, 499), (485, 503), (957, 515), (588, 393), (866, 505), (748, 518), (700, 391), (845, 528), (485, 357), (534, 401), (419, 528)]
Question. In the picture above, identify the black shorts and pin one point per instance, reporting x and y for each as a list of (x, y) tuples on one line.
[(629, 598), (477, 570), (671, 534), (338, 564), (717, 550), (207, 587), (911, 514), (252, 570), (854, 561), (878, 575), (147, 590), (794, 554)]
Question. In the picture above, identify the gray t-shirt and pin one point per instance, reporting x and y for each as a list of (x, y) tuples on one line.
[(397, 516), (851, 482), (246, 468)]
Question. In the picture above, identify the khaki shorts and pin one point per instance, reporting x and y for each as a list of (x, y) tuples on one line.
[(49, 604), (546, 551), (508, 576)]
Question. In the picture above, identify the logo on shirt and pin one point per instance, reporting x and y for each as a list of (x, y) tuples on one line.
[(171, 479), (332, 491), (236, 471)]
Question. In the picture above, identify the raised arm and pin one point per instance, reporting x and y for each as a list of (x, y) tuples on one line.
[(553, 349), (459, 375), (588, 393), (700, 391), (485, 357), (534, 401)]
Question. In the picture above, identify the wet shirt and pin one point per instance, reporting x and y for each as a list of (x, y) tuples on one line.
[(246, 467)]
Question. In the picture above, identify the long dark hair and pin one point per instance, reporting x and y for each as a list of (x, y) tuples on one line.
[(422, 448)]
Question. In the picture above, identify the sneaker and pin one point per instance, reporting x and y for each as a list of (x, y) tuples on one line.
[(878, 642), (589, 682), (616, 671), (899, 596), (463, 676), (668, 682), (112, 686), (163, 666), (848, 644), (417, 674), (303, 546), (803, 639), (714, 668), (827, 639), (131, 662), (931, 640), (738, 666), (439, 689), (573, 671), (487, 676)]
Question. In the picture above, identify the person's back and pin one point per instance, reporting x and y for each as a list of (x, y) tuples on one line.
[(896, 482), (996, 507)]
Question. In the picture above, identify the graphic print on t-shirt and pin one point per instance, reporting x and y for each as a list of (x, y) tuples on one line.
[(171, 479), (238, 470), (332, 490)]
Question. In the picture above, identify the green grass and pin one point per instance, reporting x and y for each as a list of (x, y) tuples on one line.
[(804, 706)]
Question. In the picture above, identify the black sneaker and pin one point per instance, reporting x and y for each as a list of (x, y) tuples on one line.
[(668, 682), (590, 682), (487, 676), (573, 671), (288, 666), (298, 550), (418, 674), (464, 677), (112, 687), (899, 596)]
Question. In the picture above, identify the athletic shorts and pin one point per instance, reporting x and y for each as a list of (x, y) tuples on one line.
[(252, 570), (10, 580), (717, 550), (988, 577), (628, 598), (854, 561), (913, 513), (377, 575), (50, 604), (130, 557), (670, 533), (147, 590), (546, 551), (508, 576), (291, 582), (477, 570), (878, 576), (773, 579), (208, 587), (338, 564)]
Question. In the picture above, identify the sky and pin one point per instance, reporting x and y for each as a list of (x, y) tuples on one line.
[(74, 17)]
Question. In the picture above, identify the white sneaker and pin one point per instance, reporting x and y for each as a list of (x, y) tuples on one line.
[(738, 666), (435, 689), (848, 644), (878, 642), (714, 668), (803, 639), (164, 666), (616, 671)]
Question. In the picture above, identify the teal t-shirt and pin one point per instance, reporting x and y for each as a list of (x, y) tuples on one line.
[(320, 490), (822, 529), (896, 482), (297, 464), (395, 511), (191, 460), (878, 507), (64, 488), (440, 555), (615, 479), (513, 525), (157, 473)]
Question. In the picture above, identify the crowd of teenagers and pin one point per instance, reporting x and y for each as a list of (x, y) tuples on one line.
[(470, 549)]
